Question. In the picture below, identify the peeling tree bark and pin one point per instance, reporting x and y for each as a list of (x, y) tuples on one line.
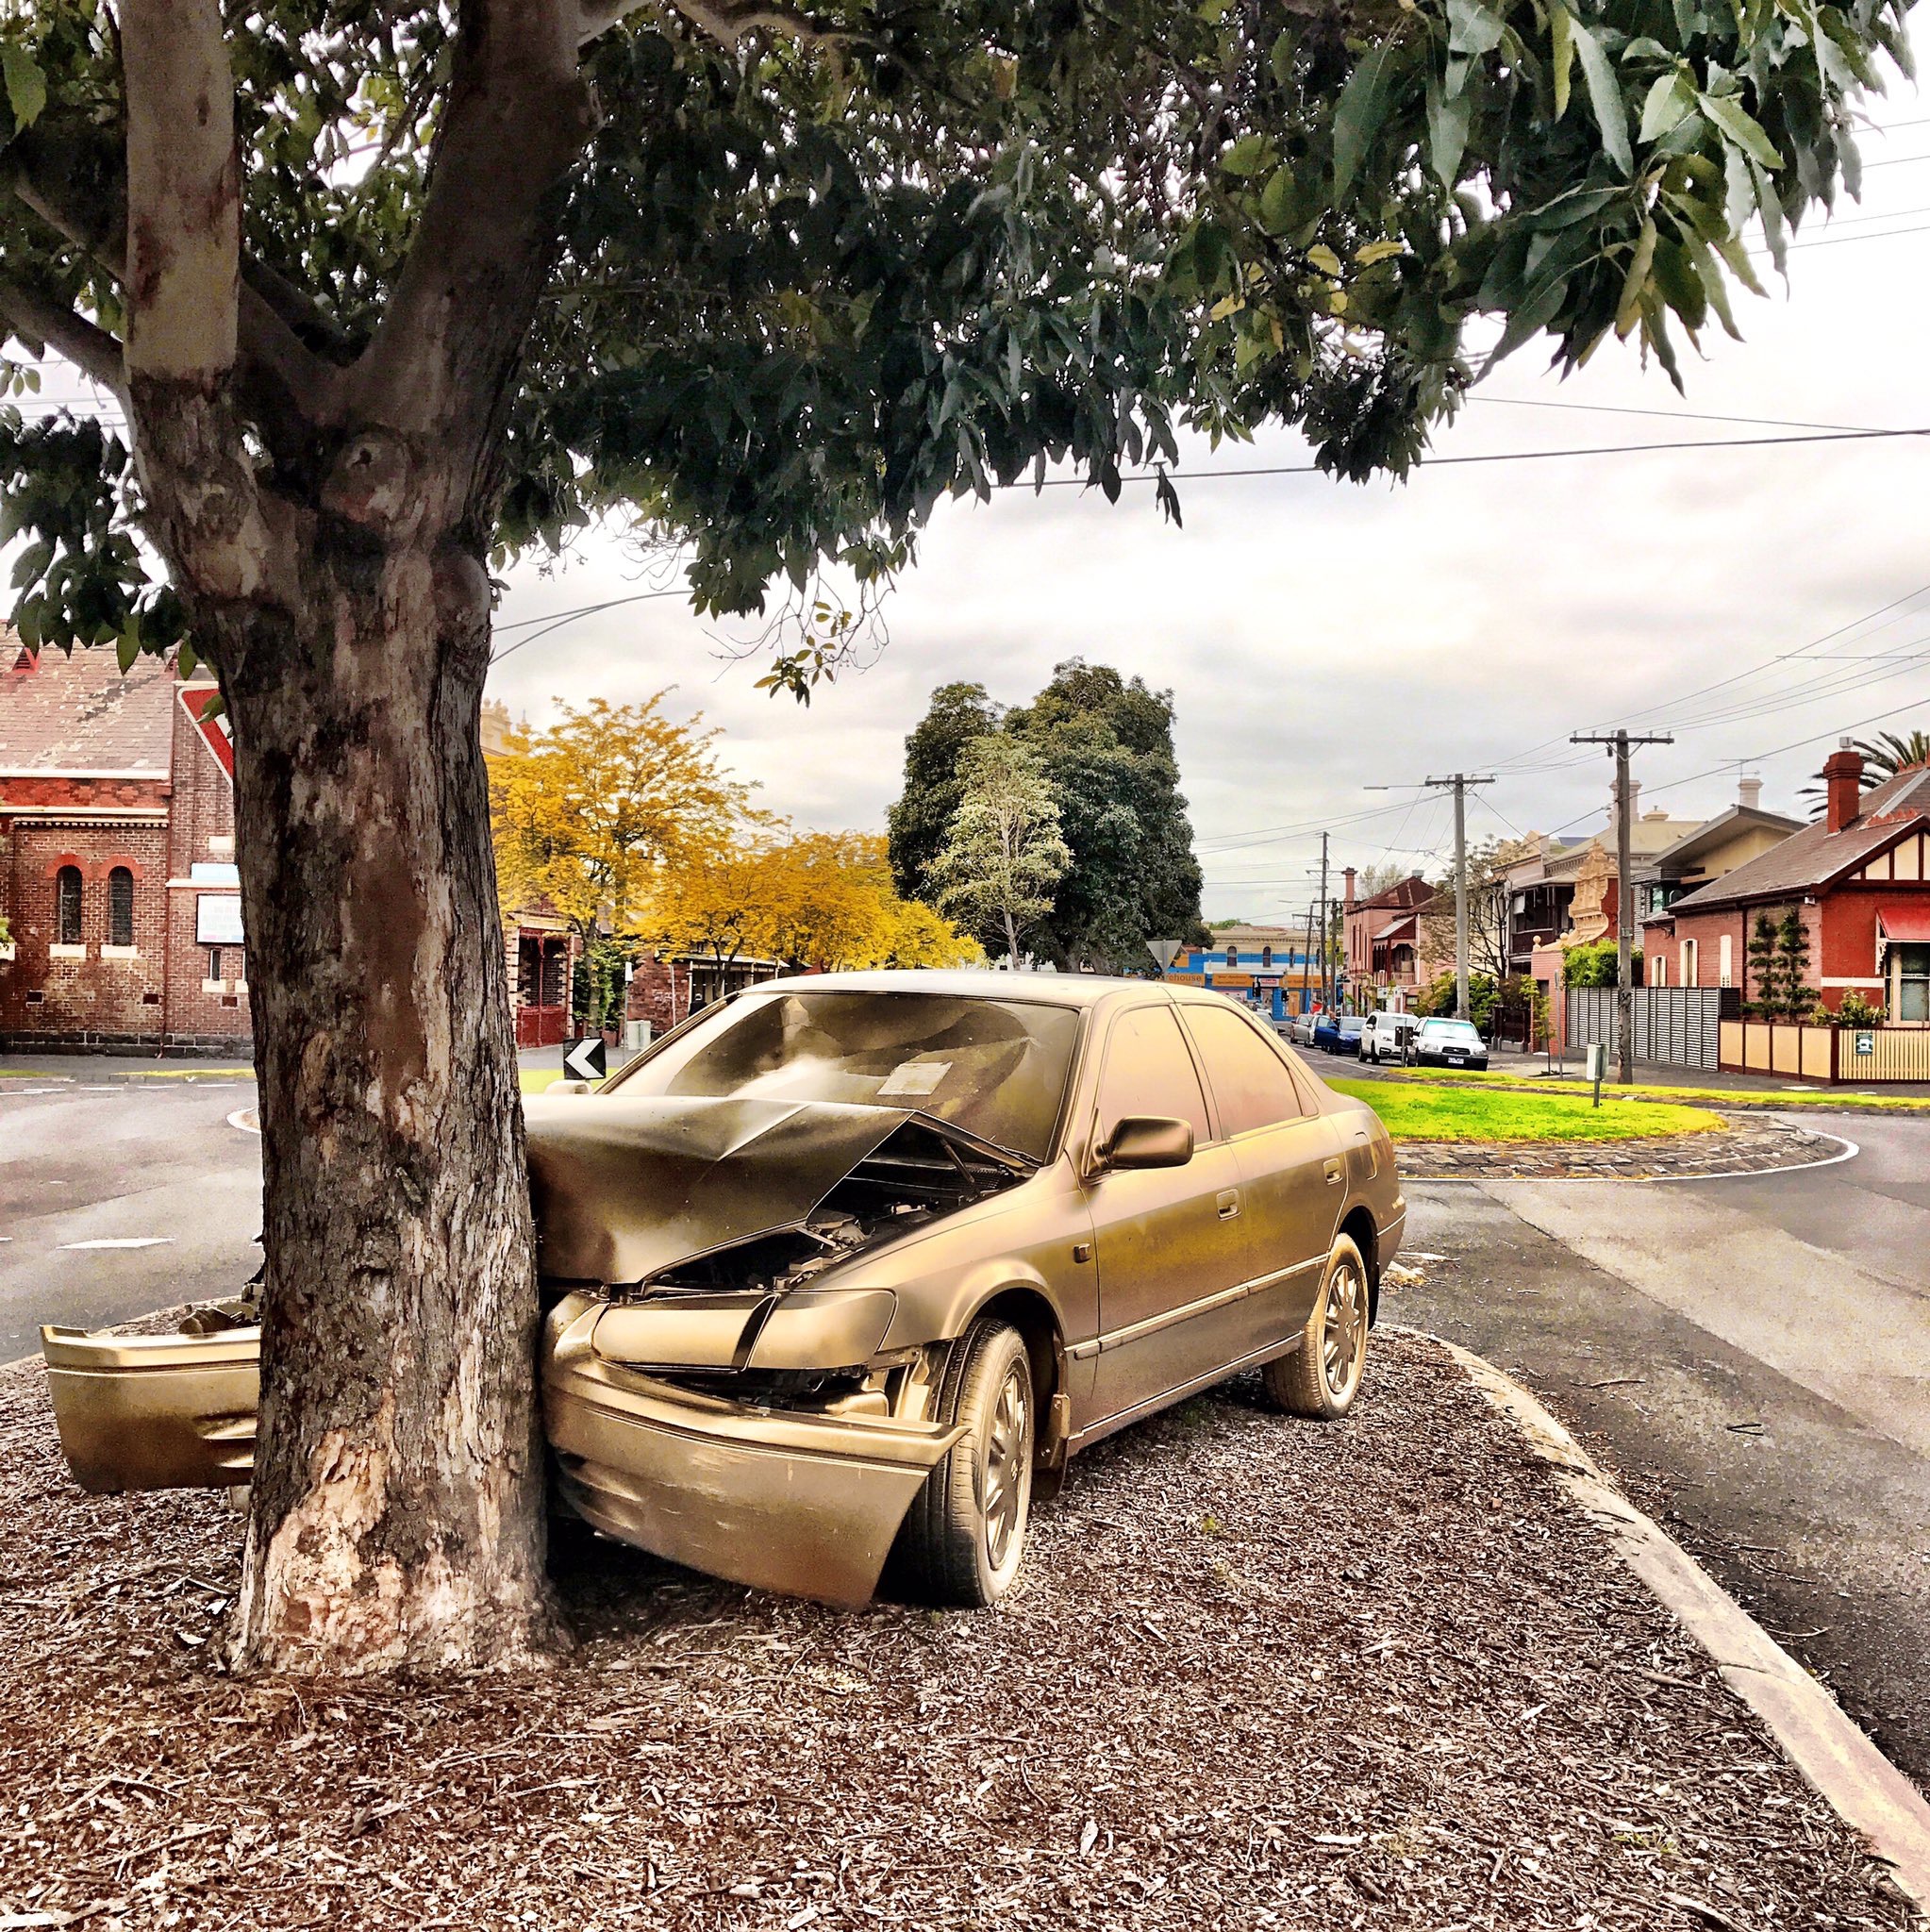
[(396, 1517)]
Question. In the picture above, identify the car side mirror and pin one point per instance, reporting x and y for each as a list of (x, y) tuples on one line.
[(1143, 1140)]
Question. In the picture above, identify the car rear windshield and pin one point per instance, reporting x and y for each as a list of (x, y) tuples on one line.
[(994, 1067)]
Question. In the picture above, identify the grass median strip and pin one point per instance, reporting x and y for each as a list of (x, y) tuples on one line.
[(1415, 1112), (1714, 1096)]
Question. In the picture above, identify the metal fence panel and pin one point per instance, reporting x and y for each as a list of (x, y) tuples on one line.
[(1675, 1025)]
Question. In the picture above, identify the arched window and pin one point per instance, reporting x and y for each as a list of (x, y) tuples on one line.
[(1266, 956), (1233, 956), (67, 905), (119, 906)]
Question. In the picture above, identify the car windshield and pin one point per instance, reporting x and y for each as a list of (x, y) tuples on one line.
[(995, 1067), (1352, 1025), (1450, 1029)]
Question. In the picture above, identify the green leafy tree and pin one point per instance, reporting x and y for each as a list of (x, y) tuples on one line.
[(1594, 964), (1106, 743), (388, 292), (1761, 990), (933, 752), (1003, 856), (1794, 997)]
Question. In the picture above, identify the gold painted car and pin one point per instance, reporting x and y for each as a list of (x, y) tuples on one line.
[(843, 1270)]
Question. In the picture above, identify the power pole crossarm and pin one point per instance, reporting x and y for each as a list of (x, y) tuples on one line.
[(1620, 744)]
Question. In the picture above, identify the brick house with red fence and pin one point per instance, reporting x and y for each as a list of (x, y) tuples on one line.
[(1859, 879), (117, 858)]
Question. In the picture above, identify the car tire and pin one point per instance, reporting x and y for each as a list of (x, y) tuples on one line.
[(1320, 1380), (965, 1533)]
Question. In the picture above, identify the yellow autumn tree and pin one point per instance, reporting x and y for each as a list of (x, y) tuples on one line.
[(590, 814)]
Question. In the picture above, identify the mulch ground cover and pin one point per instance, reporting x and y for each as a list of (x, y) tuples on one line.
[(1256, 1673)]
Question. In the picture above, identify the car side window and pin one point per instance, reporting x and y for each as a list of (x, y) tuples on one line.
[(1149, 1071), (1250, 1080)]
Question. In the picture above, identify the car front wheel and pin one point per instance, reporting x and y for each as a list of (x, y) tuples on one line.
[(1322, 1378), (965, 1533)]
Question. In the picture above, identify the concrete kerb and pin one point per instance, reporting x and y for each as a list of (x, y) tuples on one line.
[(1863, 1787)]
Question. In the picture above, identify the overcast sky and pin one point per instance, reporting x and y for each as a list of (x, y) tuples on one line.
[(1320, 638)]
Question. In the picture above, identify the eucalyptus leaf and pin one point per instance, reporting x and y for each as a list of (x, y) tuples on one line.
[(1605, 96), (1362, 109), (26, 86), (1742, 128)]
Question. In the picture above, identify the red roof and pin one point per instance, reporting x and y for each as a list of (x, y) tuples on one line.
[(78, 715), (1907, 920)]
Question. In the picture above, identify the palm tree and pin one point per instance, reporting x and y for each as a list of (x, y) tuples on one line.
[(1884, 756)]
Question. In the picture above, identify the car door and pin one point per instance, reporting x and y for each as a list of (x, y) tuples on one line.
[(1169, 1242), (1293, 1172)]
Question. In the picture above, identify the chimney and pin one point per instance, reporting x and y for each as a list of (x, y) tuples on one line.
[(1347, 903), (1749, 794), (1842, 773)]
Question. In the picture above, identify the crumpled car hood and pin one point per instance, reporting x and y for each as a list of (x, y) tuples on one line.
[(625, 1188)]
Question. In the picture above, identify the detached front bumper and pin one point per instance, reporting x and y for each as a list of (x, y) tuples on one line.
[(799, 1502), (154, 1411)]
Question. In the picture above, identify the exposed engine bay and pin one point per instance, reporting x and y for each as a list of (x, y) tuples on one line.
[(745, 1319)]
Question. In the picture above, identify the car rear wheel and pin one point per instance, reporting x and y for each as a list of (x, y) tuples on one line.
[(1322, 1378), (966, 1530)]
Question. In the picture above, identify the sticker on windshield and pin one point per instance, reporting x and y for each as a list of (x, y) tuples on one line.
[(914, 1077)]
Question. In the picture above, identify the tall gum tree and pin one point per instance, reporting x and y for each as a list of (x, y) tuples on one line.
[(387, 291)]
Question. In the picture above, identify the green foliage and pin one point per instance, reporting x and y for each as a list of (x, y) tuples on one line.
[(1003, 857), (1761, 992), (1591, 965), (1853, 1009), (807, 291), (933, 754), (1106, 745)]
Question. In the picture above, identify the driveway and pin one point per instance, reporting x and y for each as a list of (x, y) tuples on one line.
[(121, 1196), (1752, 1356)]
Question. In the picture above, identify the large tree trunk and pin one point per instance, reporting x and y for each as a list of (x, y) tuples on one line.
[(396, 1517)]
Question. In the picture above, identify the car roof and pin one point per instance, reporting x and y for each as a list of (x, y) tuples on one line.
[(1045, 989)]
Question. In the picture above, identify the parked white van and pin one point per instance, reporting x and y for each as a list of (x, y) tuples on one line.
[(1385, 1037)]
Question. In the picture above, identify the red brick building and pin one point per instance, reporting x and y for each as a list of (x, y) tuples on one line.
[(1859, 879), (117, 858), (1384, 940)]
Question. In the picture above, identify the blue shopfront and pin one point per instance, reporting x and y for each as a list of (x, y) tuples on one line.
[(1265, 967)]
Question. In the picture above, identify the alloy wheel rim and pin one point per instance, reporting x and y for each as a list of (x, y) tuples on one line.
[(1007, 1455), (1344, 1330)]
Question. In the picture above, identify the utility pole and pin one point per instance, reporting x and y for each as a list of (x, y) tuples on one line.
[(1326, 950), (1620, 744), (1306, 961), (1459, 782)]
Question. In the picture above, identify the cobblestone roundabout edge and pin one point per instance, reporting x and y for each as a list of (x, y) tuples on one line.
[(1746, 1143)]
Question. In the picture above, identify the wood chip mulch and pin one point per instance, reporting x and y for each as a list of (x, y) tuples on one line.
[(1256, 1673)]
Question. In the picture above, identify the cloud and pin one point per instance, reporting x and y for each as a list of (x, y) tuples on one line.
[(1321, 637)]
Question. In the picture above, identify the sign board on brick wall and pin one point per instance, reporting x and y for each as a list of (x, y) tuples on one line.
[(200, 702), (218, 919)]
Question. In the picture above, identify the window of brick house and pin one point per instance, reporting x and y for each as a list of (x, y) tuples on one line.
[(1912, 982), (67, 905), (119, 906)]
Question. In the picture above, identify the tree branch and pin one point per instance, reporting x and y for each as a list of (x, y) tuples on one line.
[(438, 369), (41, 319), (184, 201), (725, 22)]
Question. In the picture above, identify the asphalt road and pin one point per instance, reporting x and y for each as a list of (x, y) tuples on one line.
[(1753, 1357), (87, 1159)]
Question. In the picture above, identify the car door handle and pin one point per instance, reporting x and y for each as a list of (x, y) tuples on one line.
[(1336, 1173), (1229, 1204)]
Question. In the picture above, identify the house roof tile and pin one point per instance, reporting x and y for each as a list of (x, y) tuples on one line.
[(78, 715), (1816, 856)]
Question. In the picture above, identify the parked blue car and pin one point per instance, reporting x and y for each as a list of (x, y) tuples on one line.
[(1338, 1032)]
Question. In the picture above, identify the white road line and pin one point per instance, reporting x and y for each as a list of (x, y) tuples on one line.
[(123, 1241)]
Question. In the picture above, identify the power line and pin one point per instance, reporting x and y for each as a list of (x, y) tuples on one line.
[(1515, 456)]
